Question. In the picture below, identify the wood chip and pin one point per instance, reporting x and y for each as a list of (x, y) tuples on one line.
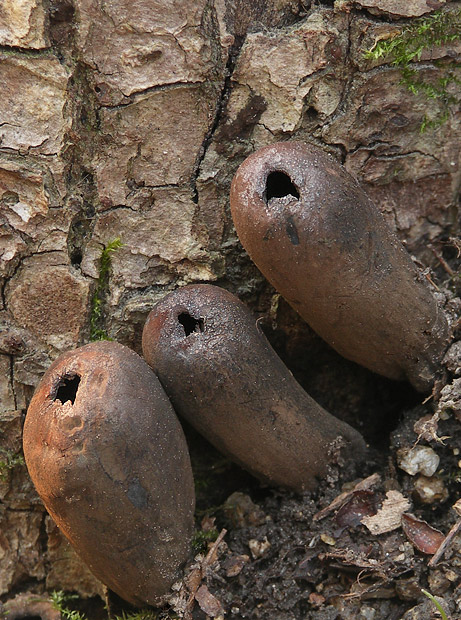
[(389, 516), (208, 602), (234, 565)]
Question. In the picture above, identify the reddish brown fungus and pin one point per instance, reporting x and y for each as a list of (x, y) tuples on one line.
[(109, 460), (327, 249), (222, 375)]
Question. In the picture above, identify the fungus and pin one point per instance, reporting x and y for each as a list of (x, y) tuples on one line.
[(108, 458), (326, 248), (228, 382)]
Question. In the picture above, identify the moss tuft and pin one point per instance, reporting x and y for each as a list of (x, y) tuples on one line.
[(8, 461), (97, 332), (60, 601), (440, 28), (201, 538)]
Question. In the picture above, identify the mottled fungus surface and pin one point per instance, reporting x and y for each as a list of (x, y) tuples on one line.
[(108, 458), (327, 249), (223, 376)]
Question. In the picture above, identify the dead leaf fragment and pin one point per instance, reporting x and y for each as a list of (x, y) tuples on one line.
[(361, 504), (327, 539), (194, 579), (208, 603), (422, 535), (389, 516), (426, 427), (363, 485), (208, 523), (308, 567), (233, 565), (316, 599)]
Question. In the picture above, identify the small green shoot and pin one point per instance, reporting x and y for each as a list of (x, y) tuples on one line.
[(8, 461), (436, 603), (105, 262), (60, 600), (440, 28)]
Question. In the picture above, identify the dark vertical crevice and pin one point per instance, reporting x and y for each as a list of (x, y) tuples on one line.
[(221, 99), (13, 391)]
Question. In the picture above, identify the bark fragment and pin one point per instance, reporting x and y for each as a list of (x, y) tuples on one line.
[(22, 24)]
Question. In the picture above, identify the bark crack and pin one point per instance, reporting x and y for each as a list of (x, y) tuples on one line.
[(13, 392), (219, 109)]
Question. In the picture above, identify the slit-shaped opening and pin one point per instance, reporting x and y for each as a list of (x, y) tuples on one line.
[(279, 185), (191, 325), (67, 389)]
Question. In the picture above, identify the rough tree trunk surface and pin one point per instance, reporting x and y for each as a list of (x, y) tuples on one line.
[(127, 119)]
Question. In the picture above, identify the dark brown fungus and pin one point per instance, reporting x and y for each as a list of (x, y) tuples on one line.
[(326, 248), (223, 376), (108, 458)]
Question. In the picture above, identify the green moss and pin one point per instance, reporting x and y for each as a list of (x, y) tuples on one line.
[(139, 615), (97, 332), (60, 601), (201, 539), (8, 461), (63, 601), (440, 28)]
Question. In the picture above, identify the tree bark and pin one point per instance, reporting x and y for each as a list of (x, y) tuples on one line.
[(128, 120)]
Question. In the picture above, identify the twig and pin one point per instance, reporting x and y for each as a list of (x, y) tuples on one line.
[(445, 543), (211, 555), (442, 261), (429, 279)]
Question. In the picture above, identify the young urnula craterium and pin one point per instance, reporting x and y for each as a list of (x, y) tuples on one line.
[(101, 440), (326, 248), (109, 459), (223, 376)]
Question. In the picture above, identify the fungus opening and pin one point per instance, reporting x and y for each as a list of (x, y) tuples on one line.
[(190, 324), (67, 389), (279, 185)]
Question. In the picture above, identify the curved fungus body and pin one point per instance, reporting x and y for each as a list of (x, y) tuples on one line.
[(223, 376), (326, 248), (108, 458)]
